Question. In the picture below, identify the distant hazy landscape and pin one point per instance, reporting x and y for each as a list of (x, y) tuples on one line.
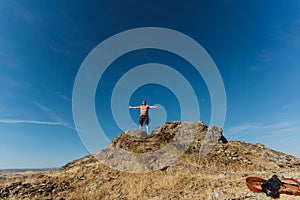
[(21, 173)]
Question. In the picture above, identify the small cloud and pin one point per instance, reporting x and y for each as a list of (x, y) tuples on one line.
[(63, 97), (279, 125), (240, 128), (264, 57), (60, 50), (20, 121), (285, 127), (53, 115), (49, 112), (24, 13)]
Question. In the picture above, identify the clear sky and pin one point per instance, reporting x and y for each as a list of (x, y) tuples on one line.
[(255, 45)]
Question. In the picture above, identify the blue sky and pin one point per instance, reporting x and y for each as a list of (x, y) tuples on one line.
[(255, 45)]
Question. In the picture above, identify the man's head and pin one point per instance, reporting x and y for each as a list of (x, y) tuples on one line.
[(144, 102)]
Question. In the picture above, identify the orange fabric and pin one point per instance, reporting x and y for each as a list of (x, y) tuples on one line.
[(254, 184)]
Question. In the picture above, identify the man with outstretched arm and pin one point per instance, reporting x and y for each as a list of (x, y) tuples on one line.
[(144, 114)]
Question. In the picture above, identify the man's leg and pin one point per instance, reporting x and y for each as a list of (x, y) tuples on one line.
[(147, 127), (147, 124), (141, 120), (141, 127)]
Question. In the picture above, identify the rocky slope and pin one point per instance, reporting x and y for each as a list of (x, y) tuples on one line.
[(208, 167)]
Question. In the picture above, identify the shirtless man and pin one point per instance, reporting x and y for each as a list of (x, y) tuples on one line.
[(144, 114)]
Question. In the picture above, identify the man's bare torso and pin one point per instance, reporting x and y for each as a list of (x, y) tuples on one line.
[(144, 109)]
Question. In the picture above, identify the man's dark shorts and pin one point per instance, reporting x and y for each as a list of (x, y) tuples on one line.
[(144, 119)]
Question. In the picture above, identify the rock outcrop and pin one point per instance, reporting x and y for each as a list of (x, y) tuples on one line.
[(133, 151)]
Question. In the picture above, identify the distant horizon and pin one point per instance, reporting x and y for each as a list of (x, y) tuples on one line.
[(29, 169)]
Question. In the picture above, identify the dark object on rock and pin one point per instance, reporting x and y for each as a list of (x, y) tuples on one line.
[(164, 168), (271, 186), (223, 139)]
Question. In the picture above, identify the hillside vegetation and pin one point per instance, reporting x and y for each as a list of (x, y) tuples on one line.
[(210, 168)]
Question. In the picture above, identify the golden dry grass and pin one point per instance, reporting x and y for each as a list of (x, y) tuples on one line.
[(215, 177), (185, 180)]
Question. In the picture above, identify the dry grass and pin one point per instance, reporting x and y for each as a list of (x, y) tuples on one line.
[(184, 180), (218, 176)]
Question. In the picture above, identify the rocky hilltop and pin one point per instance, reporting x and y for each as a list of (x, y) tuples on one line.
[(179, 160)]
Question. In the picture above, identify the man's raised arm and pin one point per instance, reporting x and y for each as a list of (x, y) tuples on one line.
[(134, 107), (154, 106)]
